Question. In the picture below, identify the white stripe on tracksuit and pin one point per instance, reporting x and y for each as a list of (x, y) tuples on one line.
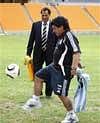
[(64, 88), (62, 59), (72, 42)]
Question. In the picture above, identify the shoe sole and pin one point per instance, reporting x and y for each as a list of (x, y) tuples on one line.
[(70, 122), (30, 108)]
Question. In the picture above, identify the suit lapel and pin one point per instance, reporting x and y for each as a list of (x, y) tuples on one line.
[(39, 30), (50, 30)]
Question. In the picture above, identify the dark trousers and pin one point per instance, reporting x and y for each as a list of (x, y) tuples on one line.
[(38, 64)]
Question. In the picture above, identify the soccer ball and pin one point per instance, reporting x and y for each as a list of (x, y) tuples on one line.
[(12, 71)]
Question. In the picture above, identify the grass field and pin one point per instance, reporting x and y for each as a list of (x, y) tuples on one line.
[(14, 92)]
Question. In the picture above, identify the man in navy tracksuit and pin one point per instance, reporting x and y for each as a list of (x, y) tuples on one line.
[(66, 58)]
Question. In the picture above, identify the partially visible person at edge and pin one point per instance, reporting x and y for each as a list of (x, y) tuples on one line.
[(42, 42), (66, 58)]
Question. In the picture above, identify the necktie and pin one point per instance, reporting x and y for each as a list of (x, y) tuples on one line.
[(44, 37)]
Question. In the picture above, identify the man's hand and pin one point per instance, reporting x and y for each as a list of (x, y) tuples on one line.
[(27, 60), (73, 71)]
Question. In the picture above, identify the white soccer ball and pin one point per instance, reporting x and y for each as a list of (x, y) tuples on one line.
[(12, 70)]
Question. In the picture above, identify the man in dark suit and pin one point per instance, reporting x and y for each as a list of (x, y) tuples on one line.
[(42, 42)]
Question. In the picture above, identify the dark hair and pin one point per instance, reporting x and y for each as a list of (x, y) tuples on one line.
[(46, 9), (61, 21)]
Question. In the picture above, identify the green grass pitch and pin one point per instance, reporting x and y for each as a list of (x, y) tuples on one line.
[(14, 92)]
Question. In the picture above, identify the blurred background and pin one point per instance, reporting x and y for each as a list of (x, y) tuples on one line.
[(18, 15)]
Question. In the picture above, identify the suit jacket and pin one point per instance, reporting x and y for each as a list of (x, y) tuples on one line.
[(35, 39)]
